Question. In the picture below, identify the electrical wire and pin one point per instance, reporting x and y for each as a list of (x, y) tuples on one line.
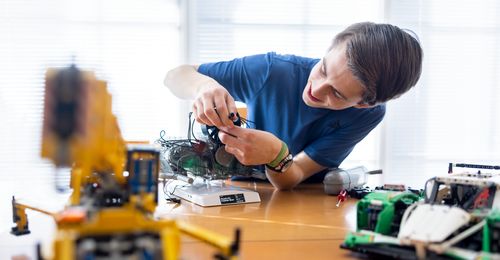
[(176, 155)]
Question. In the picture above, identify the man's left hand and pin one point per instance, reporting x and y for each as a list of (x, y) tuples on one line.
[(250, 146)]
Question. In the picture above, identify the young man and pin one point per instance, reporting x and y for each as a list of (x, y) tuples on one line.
[(308, 113)]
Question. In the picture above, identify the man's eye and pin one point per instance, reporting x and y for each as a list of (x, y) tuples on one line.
[(337, 95), (322, 70)]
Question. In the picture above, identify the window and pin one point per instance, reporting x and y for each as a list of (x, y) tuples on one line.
[(130, 44), (225, 29), (450, 116)]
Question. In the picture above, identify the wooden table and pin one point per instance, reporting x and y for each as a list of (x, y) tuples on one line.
[(299, 224)]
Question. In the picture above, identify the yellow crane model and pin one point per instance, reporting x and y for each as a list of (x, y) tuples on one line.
[(114, 185)]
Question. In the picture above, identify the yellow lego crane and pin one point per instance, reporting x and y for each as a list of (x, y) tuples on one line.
[(114, 186)]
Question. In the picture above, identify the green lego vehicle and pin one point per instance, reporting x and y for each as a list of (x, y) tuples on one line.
[(458, 217)]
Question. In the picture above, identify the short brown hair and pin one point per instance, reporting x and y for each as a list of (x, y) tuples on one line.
[(384, 58)]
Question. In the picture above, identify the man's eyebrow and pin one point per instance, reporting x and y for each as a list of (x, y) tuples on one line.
[(325, 70), (324, 65)]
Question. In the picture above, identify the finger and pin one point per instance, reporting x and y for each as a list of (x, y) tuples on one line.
[(210, 112), (236, 152), (229, 139), (198, 113), (222, 110), (235, 131), (231, 105)]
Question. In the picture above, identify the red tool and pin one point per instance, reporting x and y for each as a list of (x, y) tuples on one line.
[(341, 197)]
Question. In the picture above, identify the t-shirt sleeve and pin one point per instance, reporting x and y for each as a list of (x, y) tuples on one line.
[(332, 149), (242, 77)]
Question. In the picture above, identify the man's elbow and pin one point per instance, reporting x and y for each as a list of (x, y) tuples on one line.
[(181, 81), (284, 186), (177, 72), (171, 76)]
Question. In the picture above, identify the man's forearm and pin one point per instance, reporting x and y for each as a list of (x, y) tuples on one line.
[(302, 168), (285, 180), (185, 81)]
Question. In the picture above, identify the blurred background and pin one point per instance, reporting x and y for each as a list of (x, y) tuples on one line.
[(452, 115)]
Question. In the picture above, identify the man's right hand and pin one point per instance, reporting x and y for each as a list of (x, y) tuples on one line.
[(214, 105)]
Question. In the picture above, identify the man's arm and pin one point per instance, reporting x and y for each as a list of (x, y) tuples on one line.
[(212, 102), (302, 168), (255, 147), (185, 81)]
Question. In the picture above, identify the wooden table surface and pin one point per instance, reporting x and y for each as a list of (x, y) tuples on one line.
[(300, 224)]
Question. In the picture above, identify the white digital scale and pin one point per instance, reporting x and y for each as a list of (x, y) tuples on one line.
[(211, 193)]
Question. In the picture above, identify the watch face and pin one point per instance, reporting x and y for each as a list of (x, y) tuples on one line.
[(288, 163)]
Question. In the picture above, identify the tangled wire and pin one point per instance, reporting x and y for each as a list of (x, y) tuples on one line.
[(201, 158)]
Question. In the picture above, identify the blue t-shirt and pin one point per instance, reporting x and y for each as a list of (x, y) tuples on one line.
[(271, 86)]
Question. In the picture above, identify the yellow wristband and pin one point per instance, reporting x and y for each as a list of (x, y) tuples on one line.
[(281, 155)]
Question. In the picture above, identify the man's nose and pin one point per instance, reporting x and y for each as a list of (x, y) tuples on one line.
[(319, 88)]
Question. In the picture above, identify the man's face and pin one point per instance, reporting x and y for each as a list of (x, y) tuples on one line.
[(331, 84)]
